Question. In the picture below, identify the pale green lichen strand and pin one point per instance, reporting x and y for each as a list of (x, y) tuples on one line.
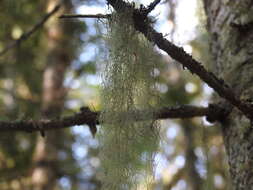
[(127, 145)]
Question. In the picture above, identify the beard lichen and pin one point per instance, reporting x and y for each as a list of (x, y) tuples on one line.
[(127, 145)]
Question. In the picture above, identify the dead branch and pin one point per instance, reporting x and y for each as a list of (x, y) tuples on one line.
[(152, 6), (90, 118), (84, 16)]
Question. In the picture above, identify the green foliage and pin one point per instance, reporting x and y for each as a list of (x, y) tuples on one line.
[(127, 145)]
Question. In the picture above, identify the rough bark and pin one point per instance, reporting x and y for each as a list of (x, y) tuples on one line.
[(231, 26), (45, 172)]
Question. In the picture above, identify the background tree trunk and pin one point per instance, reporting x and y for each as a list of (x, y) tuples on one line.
[(194, 180), (231, 26), (46, 172)]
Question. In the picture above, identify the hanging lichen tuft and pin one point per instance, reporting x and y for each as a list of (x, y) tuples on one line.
[(128, 145)]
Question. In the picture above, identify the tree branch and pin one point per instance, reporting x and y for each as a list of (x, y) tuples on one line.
[(84, 16), (142, 25), (81, 118), (152, 6), (90, 118), (31, 31)]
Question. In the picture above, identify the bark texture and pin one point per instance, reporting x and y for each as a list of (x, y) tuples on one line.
[(230, 24)]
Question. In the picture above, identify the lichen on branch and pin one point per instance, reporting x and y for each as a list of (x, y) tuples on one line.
[(129, 84)]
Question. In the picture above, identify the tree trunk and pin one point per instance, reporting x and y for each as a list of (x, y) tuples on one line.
[(46, 171), (231, 26), (193, 179)]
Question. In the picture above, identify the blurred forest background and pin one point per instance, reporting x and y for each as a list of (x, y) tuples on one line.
[(57, 70)]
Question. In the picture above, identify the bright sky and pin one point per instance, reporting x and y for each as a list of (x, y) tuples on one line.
[(186, 19)]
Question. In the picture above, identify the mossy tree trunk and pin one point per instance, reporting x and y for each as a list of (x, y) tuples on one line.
[(231, 26)]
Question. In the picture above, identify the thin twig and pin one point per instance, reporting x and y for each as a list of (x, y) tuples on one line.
[(88, 117), (31, 31), (85, 16)]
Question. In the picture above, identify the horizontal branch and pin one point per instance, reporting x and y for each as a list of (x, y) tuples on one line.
[(81, 118), (177, 53), (31, 31), (85, 16), (90, 118)]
